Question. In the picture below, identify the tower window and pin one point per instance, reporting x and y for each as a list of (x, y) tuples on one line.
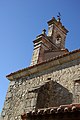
[(58, 39)]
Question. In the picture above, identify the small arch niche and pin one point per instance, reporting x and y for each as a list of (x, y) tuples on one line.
[(77, 91)]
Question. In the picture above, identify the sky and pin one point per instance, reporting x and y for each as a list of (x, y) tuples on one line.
[(21, 21)]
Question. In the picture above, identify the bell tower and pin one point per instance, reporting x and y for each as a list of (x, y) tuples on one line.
[(57, 33), (51, 45)]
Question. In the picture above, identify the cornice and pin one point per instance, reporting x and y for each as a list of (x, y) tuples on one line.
[(45, 65)]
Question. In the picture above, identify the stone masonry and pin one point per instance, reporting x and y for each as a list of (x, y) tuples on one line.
[(47, 82), (45, 88)]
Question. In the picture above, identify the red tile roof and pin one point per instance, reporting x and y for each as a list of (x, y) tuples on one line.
[(53, 110)]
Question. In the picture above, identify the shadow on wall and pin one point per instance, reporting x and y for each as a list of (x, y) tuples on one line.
[(52, 94), (1, 118)]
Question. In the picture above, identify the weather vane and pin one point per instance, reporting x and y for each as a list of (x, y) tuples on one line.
[(59, 16)]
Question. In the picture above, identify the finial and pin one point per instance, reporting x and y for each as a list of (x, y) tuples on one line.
[(43, 31), (59, 17)]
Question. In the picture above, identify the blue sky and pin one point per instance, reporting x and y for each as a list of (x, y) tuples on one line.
[(21, 21)]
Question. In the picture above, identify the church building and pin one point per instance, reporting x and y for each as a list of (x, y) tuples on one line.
[(49, 89)]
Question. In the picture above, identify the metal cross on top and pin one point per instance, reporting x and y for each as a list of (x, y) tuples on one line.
[(59, 16)]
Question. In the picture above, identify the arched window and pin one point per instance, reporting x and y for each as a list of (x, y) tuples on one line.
[(58, 39)]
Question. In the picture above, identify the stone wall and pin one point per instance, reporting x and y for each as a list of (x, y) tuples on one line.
[(51, 87)]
